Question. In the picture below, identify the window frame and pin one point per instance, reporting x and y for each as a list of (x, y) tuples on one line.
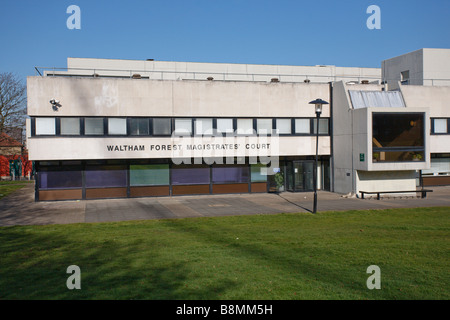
[(432, 129), (129, 125), (45, 134), (290, 126), (410, 149), (109, 126), (152, 125), (202, 134), (105, 127)]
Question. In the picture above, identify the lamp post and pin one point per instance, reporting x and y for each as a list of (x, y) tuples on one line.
[(318, 108)]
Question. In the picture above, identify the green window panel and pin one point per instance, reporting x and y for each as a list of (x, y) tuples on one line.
[(258, 172), (149, 175)]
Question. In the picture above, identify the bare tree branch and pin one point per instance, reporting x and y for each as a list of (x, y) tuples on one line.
[(13, 104)]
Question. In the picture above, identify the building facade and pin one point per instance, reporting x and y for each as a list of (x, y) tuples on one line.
[(123, 128)]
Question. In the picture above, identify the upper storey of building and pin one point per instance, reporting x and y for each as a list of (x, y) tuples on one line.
[(171, 70), (428, 67)]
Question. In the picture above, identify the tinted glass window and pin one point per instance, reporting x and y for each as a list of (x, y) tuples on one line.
[(106, 176), (93, 126), (70, 126), (162, 126), (139, 126)]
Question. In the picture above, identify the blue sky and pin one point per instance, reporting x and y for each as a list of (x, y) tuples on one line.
[(286, 32)]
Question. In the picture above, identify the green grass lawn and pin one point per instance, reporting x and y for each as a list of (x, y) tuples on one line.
[(284, 256), (7, 187)]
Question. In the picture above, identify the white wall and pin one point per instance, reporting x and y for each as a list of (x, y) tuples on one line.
[(140, 97), (430, 67), (149, 98), (385, 181), (436, 67), (59, 148)]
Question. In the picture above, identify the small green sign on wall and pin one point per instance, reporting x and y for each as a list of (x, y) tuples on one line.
[(361, 157)]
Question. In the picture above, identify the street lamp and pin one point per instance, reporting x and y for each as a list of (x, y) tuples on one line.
[(318, 107)]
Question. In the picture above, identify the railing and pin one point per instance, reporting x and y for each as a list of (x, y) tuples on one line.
[(228, 76), (203, 75)]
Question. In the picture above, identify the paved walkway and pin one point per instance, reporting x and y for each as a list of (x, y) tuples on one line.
[(19, 208)]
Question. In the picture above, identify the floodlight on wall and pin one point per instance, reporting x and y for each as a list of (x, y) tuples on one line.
[(55, 104)]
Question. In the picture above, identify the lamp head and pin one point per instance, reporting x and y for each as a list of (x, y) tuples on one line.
[(318, 105)]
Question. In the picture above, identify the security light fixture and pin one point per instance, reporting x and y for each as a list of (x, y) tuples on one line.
[(318, 108), (55, 104)]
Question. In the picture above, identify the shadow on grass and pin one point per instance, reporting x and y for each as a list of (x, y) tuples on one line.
[(33, 265), (298, 269)]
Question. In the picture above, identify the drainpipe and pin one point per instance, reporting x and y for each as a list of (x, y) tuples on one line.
[(331, 139)]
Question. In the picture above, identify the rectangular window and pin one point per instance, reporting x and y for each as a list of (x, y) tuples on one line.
[(203, 126), (106, 176), (186, 175), (440, 126), (149, 175), (69, 178), (183, 127), (45, 126), (283, 126), (303, 126), (225, 126), (162, 126), (93, 126), (70, 126), (398, 137), (323, 126), (404, 76), (139, 127), (245, 126), (264, 126), (230, 174), (258, 172), (117, 126)]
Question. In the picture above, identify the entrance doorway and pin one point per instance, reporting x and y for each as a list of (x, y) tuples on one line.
[(299, 175)]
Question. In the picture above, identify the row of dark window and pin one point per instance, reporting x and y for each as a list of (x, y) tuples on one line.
[(160, 127)]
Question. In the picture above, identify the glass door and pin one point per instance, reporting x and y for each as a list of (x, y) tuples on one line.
[(300, 175)]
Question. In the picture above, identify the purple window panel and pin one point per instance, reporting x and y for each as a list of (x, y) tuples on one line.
[(60, 179), (190, 176), (106, 176), (230, 175)]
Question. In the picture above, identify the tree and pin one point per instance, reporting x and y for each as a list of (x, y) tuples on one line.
[(12, 105)]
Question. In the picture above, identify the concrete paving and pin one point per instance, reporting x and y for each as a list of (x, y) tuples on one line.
[(19, 208)]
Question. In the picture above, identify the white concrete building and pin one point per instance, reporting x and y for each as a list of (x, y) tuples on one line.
[(123, 128), (424, 67)]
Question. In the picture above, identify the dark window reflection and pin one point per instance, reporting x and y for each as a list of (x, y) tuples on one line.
[(398, 137)]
